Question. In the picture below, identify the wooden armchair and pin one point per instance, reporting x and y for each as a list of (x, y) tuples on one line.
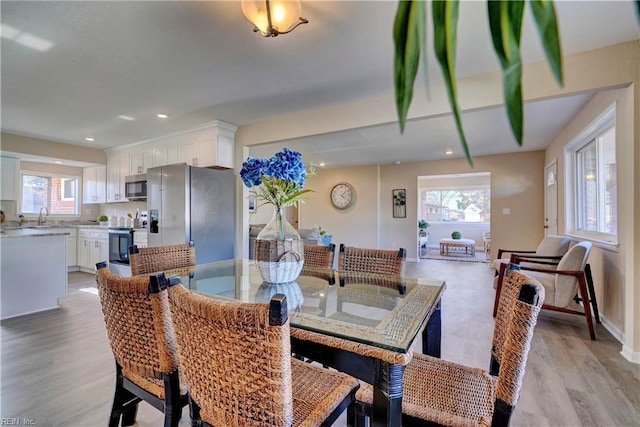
[(237, 360), (567, 287), (377, 261), (140, 333), (161, 258), (436, 391), (550, 248)]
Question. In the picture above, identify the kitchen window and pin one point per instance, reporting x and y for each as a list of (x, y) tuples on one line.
[(57, 193), (593, 187)]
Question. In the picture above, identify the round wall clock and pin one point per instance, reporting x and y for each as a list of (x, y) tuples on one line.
[(342, 196)]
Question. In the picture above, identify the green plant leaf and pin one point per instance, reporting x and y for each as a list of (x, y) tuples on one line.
[(544, 13), (445, 23), (505, 22), (409, 32)]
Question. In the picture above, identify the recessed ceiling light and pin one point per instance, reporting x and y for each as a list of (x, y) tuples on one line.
[(321, 164), (161, 115), (397, 162), (448, 152), (89, 138), (57, 162), (128, 118)]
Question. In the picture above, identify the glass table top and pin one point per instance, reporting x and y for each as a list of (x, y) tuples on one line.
[(385, 311)]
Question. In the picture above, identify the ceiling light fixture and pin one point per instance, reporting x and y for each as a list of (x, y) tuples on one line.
[(57, 162), (274, 17), (127, 118), (89, 138), (448, 152), (161, 116)]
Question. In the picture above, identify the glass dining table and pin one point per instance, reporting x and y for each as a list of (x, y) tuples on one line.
[(362, 324)]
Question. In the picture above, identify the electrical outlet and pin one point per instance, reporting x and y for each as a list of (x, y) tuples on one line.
[(88, 211), (506, 211)]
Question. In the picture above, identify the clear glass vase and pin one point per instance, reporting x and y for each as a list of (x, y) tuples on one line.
[(278, 228), (279, 251)]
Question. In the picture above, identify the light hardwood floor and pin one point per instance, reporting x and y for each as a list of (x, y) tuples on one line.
[(58, 370)]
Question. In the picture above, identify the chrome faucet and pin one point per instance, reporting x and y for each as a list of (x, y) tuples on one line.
[(42, 219)]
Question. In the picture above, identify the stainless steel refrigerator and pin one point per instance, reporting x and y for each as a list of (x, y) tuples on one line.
[(188, 203)]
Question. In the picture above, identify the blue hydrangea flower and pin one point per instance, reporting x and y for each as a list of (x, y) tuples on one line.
[(287, 165), (278, 180), (252, 170)]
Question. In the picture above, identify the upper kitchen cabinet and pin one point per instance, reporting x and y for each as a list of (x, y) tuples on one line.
[(165, 154), (209, 146), (140, 160), (117, 170), (94, 184), (10, 173)]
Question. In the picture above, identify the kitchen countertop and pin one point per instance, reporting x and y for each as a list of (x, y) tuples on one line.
[(25, 231), (33, 232)]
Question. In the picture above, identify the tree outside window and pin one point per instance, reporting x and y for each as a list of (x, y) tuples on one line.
[(58, 194), (459, 205)]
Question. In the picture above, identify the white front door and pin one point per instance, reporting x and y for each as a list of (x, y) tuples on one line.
[(551, 199)]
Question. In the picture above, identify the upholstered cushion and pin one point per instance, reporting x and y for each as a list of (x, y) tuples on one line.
[(561, 288), (309, 233), (574, 260), (553, 246)]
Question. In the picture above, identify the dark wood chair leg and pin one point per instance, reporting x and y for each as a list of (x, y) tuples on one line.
[(592, 293), (172, 409), (498, 288), (129, 416), (584, 294), (121, 399), (194, 413), (351, 415)]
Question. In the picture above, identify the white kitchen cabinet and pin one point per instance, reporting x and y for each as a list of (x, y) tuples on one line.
[(165, 154), (94, 184), (93, 247), (117, 170), (140, 238), (212, 146), (72, 247), (72, 244), (10, 186), (140, 160), (196, 153)]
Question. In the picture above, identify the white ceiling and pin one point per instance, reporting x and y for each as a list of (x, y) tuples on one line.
[(200, 61)]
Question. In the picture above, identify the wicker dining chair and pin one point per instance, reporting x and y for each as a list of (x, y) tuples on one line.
[(377, 261), (319, 255), (140, 332), (447, 393), (236, 358), (161, 258)]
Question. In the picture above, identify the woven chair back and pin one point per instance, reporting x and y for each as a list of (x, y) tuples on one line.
[(319, 255), (377, 261), (161, 258), (138, 325), (515, 322), (238, 367)]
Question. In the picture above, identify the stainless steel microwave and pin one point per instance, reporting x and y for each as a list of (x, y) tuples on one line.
[(135, 187)]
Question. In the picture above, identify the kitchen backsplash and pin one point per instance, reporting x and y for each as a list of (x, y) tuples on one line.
[(90, 213)]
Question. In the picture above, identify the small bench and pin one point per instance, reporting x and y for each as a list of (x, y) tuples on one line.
[(457, 246)]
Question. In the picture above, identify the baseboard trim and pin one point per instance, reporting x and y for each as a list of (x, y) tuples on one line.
[(626, 352), (615, 331), (631, 356)]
